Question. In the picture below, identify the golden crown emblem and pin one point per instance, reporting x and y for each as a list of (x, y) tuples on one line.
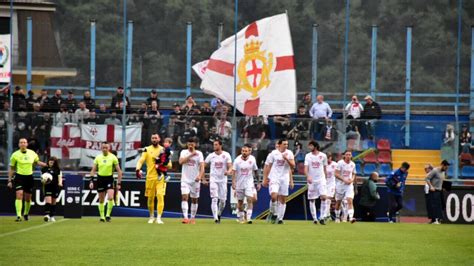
[(252, 47)]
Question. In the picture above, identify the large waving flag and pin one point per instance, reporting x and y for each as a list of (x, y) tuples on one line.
[(266, 78)]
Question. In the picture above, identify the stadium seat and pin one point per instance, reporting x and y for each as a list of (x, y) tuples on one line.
[(385, 169), (356, 153), (384, 157), (370, 157), (369, 168), (383, 145), (358, 169), (468, 172), (450, 171), (465, 158), (370, 144), (351, 144)]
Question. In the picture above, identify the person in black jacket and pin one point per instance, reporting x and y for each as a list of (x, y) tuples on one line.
[(52, 188), (372, 112), (117, 99), (369, 198), (90, 103)]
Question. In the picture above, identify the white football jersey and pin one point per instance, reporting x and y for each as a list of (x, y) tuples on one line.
[(331, 174), (244, 171), (190, 170), (346, 170), (280, 168), (218, 164), (316, 164)]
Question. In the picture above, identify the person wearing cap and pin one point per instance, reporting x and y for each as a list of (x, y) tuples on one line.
[(117, 99), (372, 112), (70, 102), (30, 101), (434, 180), (153, 97)]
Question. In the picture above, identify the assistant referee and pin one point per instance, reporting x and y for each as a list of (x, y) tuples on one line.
[(105, 163), (22, 163)]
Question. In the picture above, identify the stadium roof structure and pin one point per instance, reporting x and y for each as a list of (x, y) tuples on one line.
[(46, 58)]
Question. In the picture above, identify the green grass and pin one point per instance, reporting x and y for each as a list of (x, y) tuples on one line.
[(134, 242)]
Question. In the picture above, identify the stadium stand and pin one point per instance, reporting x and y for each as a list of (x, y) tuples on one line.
[(369, 168), (467, 172), (385, 169), (383, 145)]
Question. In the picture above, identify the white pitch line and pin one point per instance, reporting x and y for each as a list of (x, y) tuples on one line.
[(31, 228)]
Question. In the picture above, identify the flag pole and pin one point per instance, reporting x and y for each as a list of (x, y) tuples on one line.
[(234, 134)]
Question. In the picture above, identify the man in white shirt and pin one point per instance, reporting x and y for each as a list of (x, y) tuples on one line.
[(220, 164), (330, 185), (277, 175), (315, 164), (354, 109), (244, 174), (192, 173), (320, 112), (345, 177)]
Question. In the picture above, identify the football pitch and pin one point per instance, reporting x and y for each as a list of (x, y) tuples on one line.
[(134, 242)]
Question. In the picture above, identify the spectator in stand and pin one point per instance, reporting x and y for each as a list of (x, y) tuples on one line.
[(63, 116), (93, 119), (30, 101), (352, 132), (56, 101), (207, 112), (204, 135), (299, 157), (188, 105), (90, 103), (329, 132), (70, 102), (22, 125), (153, 97), (81, 114), (369, 197), (224, 128), (320, 112), (449, 135), (117, 99), (4, 95), (18, 99), (300, 130), (189, 131), (112, 119), (216, 104), (179, 120), (306, 101), (134, 119), (256, 131), (143, 108), (372, 113), (103, 113), (154, 113), (354, 109), (41, 128), (282, 125), (45, 101), (465, 140)]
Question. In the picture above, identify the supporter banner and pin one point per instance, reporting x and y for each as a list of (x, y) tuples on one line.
[(66, 142), (266, 77), (5, 58), (93, 135)]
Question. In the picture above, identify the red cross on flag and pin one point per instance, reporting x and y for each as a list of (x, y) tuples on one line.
[(266, 77)]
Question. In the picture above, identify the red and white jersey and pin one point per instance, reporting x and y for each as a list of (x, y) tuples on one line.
[(244, 171), (280, 168), (331, 174), (218, 164), (346, 170), (316, 164), (190, 170)]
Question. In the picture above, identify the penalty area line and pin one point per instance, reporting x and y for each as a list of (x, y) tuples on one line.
[(31, 228)]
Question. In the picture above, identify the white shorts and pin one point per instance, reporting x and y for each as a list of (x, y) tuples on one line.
[(279, 186), (316, 189), (241, 193), (192, 189), (331, 190), (344, 191), (218, 190)]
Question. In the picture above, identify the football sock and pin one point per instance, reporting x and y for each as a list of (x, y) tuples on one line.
[(27, 207), (47, 209), (281, 211), (249, 214), (52, 210), (350, 212), (322, 211), (338, 214), (214, 208), (328, 208), (221, 206), (110, 206), (161, 204), (18, 206), (194, 208), (101, 210), (151, 206), (184, 208), (312, 208), (273, 208)]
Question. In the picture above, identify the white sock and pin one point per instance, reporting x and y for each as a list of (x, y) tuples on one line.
[(249, 214), (273, 208), (351, 213), (194, 209), (184, 207), (338, 214), (322, 211), (158, 216), (281, 211), (214, 208), (241, 215), (328, 208), (312, 208), (221, 206)]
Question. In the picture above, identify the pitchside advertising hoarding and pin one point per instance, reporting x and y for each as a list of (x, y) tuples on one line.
[(76, 200), (5, 58)]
